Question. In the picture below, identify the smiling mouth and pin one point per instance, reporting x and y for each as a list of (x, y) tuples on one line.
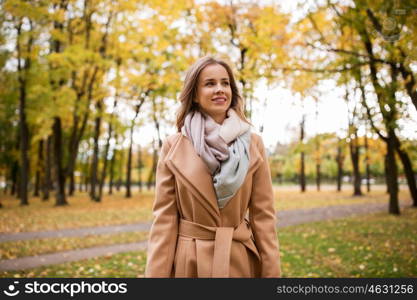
[(219, 100)]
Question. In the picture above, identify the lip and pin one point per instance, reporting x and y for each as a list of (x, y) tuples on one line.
[(219, 99)]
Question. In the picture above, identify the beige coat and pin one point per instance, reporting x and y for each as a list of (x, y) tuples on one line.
[(192, 237)]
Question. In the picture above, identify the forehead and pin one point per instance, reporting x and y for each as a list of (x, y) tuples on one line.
[(214, 72)]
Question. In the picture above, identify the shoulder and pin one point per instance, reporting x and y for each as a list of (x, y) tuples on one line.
[(257, 141), (170, 140), (258, 145)]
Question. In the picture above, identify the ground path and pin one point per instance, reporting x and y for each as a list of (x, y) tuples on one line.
[(285, 218)]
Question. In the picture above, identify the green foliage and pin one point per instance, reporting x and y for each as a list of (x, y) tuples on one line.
[(375, 245)]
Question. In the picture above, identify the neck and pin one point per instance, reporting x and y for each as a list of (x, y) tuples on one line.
[(219, 118)]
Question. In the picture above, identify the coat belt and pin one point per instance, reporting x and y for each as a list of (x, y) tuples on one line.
[(222, 237)]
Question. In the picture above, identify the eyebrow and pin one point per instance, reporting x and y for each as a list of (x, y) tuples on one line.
[(213, 79)]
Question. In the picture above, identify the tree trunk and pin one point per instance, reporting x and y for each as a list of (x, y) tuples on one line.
[(81, 182), (23, 67), (386, 173), (24, 146), (86, 176), (129, 167), (7, 180), (140, 168), (38, 169), (105, 160), (71, 188), (392, 174), (49, 184), (94, 165), (86, 170), (368, 169), (317, 144), (77, 131), (409, 173), (106, 150), (318, 176), (129, 158), (74, 142), (339, 161), (120, 171), (46, 165), (119, 183), (15, 170), (318, 164), (389, 119), (409, 80), (36, 187), (152, 171), (354, 155), (113, 158), (57, 46), (302, 157), (4, 177), (37, 183), (59, 170)]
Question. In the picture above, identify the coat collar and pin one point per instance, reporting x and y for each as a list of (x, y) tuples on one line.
[(191, 170)]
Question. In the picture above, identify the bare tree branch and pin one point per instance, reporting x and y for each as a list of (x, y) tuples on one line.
[(368, 110)]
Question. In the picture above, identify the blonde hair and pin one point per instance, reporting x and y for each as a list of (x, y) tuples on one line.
[(189, 90)]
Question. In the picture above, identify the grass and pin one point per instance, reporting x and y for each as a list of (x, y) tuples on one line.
[(376, 245), (286, 199), (15, 249), (115, 209), (129, 264), (81, 212)]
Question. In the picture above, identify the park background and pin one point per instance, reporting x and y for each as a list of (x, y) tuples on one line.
[(88, 93)]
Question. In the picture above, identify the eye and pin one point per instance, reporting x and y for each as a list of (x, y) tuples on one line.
[(225, 82), (209, 83)]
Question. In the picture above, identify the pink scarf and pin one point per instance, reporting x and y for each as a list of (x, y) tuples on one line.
[(211, 139)]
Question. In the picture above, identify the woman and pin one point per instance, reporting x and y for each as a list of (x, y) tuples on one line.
[(210, 175)]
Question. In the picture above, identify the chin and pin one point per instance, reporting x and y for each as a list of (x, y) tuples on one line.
[(218, 110), (214, 110)]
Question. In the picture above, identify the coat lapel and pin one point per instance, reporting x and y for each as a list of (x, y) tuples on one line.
[(254, 156), (185, 163), (188, 167)]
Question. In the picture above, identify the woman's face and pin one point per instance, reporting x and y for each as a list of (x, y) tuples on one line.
[(214, 94)]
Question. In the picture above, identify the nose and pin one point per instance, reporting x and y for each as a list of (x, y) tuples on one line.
[(219, 88)]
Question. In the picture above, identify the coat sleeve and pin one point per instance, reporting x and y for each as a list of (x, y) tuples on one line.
[(163, 234), (263, 219)]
